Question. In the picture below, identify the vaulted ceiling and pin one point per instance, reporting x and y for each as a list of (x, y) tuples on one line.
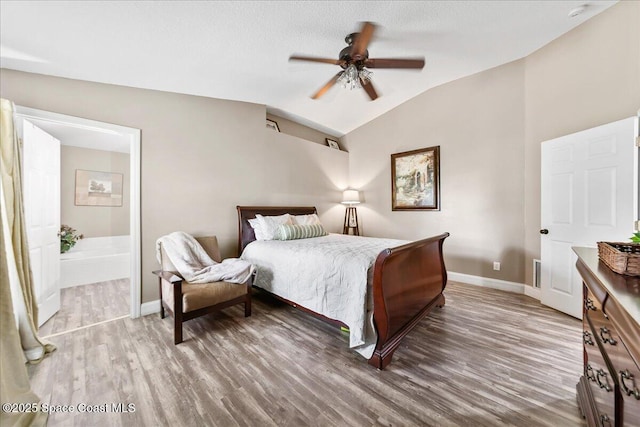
[(240, 50)]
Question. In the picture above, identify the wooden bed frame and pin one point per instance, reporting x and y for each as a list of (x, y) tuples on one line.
[(408, 282)]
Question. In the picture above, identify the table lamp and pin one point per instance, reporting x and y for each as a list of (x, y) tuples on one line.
[(351, 198)]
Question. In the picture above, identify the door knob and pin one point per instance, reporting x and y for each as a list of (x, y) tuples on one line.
[(544, 231)]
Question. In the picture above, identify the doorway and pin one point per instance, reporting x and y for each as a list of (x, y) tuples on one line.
[(105, 136)]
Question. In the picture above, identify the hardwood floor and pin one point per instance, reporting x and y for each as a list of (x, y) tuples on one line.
[(88, 304), (488, 358)]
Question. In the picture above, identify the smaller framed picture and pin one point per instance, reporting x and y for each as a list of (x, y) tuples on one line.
[(273, 125), (333, 144), (94, 188)]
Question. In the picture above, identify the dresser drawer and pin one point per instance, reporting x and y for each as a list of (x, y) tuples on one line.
[(629, 379), (593, 305), (601, 382), (608, 393), (625, 366), (628, 386)]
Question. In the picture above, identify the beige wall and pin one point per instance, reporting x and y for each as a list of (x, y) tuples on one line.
[(200, 158), (478, 123), (490, 126), (586, 78), (93, 221), (301, 131)]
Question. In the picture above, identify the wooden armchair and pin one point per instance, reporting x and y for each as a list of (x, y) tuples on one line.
[(186, 301)]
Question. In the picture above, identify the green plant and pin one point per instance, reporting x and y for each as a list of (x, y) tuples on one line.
[(68, 238), (636, 237)]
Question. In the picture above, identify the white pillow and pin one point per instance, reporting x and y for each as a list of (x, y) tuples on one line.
[(257, 230), (269, 225), (311, 219)]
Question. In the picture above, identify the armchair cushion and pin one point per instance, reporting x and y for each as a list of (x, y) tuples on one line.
[(199, 295)]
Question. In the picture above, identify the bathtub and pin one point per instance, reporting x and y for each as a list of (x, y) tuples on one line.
[(96, 259)]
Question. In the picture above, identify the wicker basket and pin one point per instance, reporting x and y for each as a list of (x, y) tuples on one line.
[(623, 258)]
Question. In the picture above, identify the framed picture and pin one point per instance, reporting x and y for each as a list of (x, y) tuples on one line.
[(333, 144), (415, 180), (273, 125), (95, 188)]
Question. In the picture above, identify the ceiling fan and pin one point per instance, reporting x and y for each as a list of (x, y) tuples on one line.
[(354, 61)]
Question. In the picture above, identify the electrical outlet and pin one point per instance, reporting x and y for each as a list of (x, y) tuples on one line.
[(496, 265)]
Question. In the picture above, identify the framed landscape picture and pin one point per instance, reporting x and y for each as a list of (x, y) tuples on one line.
[(95, 188), (415, 180)]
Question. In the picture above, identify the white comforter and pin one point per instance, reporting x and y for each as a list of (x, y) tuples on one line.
[(325, 274)]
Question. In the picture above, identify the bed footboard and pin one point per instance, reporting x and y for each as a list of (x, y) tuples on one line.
[(408, 282)]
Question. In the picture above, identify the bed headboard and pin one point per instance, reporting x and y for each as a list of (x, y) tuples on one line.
[(245, 213)]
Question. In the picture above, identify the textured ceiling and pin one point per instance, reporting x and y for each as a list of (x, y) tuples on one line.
[(240, 50)]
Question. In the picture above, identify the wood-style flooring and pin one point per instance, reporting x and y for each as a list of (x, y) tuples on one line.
[(88, 304), (488, 358)]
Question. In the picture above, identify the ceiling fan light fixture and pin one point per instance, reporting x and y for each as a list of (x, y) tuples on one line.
[(365, 75), (350, 78), (354, 58)]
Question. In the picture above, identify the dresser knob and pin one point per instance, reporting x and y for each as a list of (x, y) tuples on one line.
[(588, 304), (609, 339), (605, 421), (588, 372), (630, 391), (586, 337), (601, 373)]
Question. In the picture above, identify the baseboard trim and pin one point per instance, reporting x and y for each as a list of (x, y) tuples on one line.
[(486, 282), (532, 292), (150, 307)]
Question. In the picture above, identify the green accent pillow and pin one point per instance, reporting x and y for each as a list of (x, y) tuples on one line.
[(294, 231)]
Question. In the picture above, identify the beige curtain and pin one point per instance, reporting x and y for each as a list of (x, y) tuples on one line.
[(18, 340)]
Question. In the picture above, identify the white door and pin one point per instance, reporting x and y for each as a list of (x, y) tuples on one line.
[(41, 191), (587, 196)]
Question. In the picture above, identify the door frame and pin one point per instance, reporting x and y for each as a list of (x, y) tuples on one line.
[(133, 135)]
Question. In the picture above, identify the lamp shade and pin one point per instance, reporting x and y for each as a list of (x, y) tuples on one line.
[(351, 197)]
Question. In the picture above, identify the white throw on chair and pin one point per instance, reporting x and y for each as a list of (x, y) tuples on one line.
[(187, 300)]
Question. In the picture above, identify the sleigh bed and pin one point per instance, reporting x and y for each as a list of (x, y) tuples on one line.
[(403, 285)]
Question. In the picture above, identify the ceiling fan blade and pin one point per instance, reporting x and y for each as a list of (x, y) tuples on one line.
[(362, 41), (368, 87), (315, 59), (415, 63), (326, 87)]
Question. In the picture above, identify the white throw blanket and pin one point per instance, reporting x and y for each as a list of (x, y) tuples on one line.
[(195, 266)]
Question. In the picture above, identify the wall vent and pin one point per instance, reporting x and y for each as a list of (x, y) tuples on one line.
[(536, 273)]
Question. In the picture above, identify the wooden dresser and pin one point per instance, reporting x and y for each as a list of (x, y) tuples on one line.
[(609, 390)]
